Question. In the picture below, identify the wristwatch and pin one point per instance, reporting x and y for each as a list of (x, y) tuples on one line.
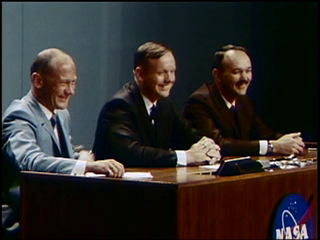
[(270, 148)]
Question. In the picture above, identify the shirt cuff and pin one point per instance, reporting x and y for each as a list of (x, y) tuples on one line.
[(182, 158), (79, 168), (75, 155), (263, 147)]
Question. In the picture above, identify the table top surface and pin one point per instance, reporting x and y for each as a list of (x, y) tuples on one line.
[(193, 174)]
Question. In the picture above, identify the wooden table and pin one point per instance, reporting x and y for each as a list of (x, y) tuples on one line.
[(178, 203)]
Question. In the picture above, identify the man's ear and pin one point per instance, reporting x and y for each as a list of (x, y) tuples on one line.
[(37, 80), (139, 72), (216, 74)]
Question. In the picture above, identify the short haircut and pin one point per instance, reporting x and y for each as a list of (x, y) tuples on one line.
[(149, 50), (219, 55), (42, 63)]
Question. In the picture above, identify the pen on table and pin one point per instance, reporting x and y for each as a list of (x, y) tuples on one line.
[(291, 156)]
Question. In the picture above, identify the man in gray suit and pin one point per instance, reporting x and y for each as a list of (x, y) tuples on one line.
[(28, 137), (36, 128)]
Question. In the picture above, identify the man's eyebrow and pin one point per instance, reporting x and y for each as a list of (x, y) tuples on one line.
[(241, 68), (68, 80)]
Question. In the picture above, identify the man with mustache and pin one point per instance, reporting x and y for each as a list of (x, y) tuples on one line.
[(221, 110), (139, 126)]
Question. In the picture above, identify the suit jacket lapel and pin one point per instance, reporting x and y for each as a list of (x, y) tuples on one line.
[(46, 124), (160, 124), (41, 118), (243, 121), (143, 114), (48, 127), (225, 112), (65, 136)]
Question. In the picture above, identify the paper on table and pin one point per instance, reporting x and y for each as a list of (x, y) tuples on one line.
[(137, 175), (213, 167), (125, 175), (91, 174)]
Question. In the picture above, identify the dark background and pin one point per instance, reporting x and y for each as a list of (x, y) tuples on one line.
[(103, 36)]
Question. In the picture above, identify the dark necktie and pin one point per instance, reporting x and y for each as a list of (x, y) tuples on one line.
[(233, 109), (53, 121), (153, 112), (63, 145), (235, 115)]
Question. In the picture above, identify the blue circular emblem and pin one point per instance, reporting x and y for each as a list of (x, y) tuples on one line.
[(293, 218)]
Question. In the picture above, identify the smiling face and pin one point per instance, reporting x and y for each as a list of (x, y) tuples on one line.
[(157, 76), (61, 84), (235, 74), (54, 88)]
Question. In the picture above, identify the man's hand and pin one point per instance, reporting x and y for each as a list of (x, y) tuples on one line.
[(204, 150), (289, 144), (214, 154), (85, 155), (110, 167)]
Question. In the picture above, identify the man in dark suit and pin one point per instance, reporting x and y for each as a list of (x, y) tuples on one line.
[(139, 126), (36, 130), (221, 110)]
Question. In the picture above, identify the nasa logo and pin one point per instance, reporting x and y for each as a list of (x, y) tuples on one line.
[(293, 218)]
